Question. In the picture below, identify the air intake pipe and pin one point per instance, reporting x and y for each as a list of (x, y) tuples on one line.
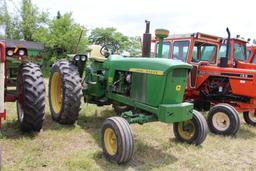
[(161, 34)]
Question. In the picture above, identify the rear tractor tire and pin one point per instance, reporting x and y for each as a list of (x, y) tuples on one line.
[(65, 92), (250, 117), (193, 131), (223, 119), (30, 97), (117, 140)]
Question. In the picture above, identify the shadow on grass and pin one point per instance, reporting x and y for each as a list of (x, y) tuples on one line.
[(245, 133), (92, 124), (145, 157), (144, 154), (50, 124), (11, 130)]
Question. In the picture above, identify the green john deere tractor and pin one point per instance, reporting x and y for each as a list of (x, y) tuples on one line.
[(140, 89)]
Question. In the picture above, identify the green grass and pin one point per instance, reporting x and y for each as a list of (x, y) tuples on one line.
[(77, 147)]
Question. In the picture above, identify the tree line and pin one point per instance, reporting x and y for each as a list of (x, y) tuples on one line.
[(59, 34)]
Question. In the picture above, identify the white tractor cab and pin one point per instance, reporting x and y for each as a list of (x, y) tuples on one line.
[(100, 53), (96, 53)]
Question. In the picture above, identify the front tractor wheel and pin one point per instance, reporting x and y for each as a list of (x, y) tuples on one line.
[(117, 140), (30, 97), (193, 131), (65, 92), (250, 117), (223, 119)]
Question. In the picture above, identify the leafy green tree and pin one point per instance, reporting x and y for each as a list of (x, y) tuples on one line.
[(32, 20), (134, 46), (63, 36), (9, 24), (103, 36)]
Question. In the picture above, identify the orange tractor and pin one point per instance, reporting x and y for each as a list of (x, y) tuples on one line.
[(220, 82)]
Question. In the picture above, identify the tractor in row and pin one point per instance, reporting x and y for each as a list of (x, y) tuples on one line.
[(141, 90), (21, 81), (219, 72)]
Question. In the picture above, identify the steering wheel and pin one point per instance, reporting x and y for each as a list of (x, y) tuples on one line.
[(104, 51), (109, 49)]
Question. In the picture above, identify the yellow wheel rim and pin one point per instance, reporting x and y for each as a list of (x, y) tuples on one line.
[(56, 92), (110, 141), (186, 129)]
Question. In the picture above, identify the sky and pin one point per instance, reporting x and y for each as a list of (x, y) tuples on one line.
[(178, 16)]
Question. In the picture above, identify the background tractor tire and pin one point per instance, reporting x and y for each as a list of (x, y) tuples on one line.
[(117, 140), (31, 97), (223, 119), (250, 118), (193, 131), (65, 92)]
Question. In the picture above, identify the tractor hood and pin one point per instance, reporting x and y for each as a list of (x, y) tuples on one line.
[(156, 66)]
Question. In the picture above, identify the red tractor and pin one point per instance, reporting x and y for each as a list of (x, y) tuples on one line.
[(220, 82), (21, 81)]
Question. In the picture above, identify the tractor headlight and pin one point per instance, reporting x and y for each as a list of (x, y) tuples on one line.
[(10, 52), (83, 58), (21, 52), (77, 58)]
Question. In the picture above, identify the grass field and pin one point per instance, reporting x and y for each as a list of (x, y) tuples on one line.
[(77, 147)]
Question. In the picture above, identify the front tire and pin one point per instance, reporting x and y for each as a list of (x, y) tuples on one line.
[(193, 131), (65, 92), (31, 97), (117, 140), (250, 118), (223, 119)]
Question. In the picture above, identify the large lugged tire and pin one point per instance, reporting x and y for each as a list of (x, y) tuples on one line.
[(250, 118), (193, 131), (31, 97), (65, 92), (117, 140), (223, 119)]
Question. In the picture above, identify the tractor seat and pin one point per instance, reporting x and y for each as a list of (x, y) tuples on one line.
[(95, 53)]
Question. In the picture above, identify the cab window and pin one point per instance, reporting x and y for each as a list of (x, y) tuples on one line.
[(222, 51), (166, 49), (204, 52), (254, 59), (248, 53), (239, 52), (180, 50)]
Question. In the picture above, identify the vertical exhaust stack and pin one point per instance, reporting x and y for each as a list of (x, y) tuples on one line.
[(228, 42), (146, 48), (161, 34), (224, 60)]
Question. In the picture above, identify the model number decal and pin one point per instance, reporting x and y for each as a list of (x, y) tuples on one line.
[(226, 74), (146, 71)]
